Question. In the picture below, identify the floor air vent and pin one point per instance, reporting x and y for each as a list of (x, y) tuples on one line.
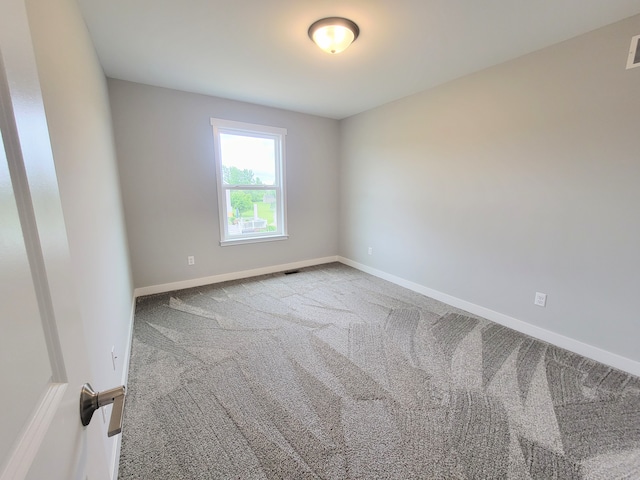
[(289, 272), (634, 53)]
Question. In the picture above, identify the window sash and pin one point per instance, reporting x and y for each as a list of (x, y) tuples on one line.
[(224, 189)]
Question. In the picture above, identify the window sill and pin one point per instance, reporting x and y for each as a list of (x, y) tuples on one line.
[(241, 241)]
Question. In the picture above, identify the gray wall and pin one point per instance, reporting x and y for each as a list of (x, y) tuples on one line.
[(77, 109), (164, 143), (520, 178)]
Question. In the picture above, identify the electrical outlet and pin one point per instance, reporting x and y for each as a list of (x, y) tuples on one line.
[(370, 251), (541, 299), (191, 260)]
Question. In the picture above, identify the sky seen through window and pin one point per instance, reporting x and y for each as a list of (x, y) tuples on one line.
[(250, 153)]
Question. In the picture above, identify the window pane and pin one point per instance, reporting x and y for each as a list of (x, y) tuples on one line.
[(248, 160), (251, 211), (250, 164)]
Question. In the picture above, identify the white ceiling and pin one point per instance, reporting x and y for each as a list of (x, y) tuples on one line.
[(258, 50)]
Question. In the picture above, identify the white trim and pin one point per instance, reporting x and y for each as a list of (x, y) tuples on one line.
[(246, 127), (115, 457), (25, 450), (225, 277), (282, 174), (586, 350), (635, 45), (243, 240), (127, 357)]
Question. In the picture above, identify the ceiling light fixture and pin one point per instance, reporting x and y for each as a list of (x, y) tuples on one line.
[(333, 34)]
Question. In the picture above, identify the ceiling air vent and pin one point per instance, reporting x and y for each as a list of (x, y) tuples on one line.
[(634, 53)]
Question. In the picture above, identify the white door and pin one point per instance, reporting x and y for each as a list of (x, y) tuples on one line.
[(43, 361)]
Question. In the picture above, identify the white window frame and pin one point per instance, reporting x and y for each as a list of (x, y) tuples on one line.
[(259, 131)]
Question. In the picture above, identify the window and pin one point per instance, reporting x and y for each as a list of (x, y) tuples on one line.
[(250, 170)]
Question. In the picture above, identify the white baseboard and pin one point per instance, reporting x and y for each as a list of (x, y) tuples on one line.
[(225, 277), (589, 351), (115, 457), (127, 355)]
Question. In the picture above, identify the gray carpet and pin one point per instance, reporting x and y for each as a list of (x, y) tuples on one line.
[(333, 373)]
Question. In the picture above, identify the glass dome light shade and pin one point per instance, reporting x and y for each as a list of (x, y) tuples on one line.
[(333, 35)]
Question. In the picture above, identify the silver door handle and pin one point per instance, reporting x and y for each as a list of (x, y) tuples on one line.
[(90, 401)]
